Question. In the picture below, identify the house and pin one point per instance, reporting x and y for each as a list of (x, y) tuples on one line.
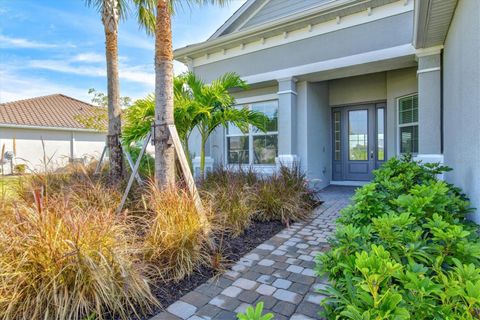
[(350, 83), (48, 130)]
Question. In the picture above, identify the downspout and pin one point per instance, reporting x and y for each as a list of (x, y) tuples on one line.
[(441, 102)]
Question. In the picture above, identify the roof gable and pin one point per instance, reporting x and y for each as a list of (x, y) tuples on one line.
[(257, 12), (53, 111)]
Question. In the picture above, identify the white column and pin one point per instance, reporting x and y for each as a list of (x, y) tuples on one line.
[(287, 120), (429, 105), (72, 146)]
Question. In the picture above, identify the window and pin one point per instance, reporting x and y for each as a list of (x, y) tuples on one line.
[(337, 131), (408, 124), (380, 134), (255, 147)]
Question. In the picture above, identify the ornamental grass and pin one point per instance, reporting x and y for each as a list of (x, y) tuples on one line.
[(284, 196), (175, 240), (61, 261)]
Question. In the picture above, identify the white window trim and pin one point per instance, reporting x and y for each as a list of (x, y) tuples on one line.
[(397, 115), (250, 136)]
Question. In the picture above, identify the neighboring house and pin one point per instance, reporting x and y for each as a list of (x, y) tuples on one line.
[(57, 121), (351, 83)]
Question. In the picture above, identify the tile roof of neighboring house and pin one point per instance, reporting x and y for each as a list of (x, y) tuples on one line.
[(54, 111)]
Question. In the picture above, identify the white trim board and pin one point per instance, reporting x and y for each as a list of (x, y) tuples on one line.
[(308, 31), (353, 60)]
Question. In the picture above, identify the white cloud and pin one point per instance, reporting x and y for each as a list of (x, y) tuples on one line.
[(14, 87), (143, 74), (10, 42), (89, 57), (65, 66)]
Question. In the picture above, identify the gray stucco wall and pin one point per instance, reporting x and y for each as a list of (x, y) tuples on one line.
[(461, 70), (319, 133), (365, 88), (313, 131), (380, 34), (399, 83)]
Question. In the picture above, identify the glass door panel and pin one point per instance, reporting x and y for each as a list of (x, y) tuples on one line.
[(358, 135), (380, 134)]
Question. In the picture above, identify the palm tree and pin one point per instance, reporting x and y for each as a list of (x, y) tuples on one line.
[(140, 115), (112, 11), (220, 104), (197, 105), (164, 149)]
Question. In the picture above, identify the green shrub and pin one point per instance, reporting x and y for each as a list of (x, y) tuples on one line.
[(255, 313), (404, 249)]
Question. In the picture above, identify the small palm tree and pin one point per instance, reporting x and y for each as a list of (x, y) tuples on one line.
[(197, 105), (220, 104), (140, 116), (112, 11)]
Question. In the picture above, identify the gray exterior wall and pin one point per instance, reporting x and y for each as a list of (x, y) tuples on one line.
[(364, 88), (461, 71), (380, 34), (319, 134), (399, 83)]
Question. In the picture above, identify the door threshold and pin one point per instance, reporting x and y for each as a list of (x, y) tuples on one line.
[(349, 183)]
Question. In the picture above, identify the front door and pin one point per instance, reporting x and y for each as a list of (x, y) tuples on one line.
[(358, 141)]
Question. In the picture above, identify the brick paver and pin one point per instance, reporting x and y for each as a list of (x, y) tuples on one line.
[(279, 272)]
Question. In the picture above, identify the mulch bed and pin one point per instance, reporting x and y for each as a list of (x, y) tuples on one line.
[(233, 250)]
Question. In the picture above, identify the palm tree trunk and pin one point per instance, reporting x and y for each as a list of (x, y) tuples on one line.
[(164, 149), (187, 153), (202, 155), (110, 19)]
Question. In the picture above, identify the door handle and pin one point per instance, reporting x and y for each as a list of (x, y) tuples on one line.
[(371, 154)]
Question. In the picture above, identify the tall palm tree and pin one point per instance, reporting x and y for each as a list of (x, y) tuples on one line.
[(111, 12), (164, 149)]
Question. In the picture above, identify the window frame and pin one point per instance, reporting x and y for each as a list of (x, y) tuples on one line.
[(410, 124), (250, 136)]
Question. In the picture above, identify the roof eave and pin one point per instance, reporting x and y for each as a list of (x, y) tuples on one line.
[(424, 13), (182, 54), (22, 126)]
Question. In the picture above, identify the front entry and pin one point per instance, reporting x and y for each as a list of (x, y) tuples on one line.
[(358, 141)]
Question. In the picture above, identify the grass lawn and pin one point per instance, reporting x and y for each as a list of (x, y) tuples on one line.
[(8, 185)]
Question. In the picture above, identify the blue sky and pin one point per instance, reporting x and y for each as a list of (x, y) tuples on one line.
[(57, 46)]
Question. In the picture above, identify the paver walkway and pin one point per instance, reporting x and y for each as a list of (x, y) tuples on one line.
[(279, 272)]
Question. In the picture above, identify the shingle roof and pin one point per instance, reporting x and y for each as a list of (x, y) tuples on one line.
[(57, 110)]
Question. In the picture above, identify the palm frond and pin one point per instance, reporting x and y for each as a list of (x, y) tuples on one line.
[(145, 10), (122, 6), (138, 120)]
